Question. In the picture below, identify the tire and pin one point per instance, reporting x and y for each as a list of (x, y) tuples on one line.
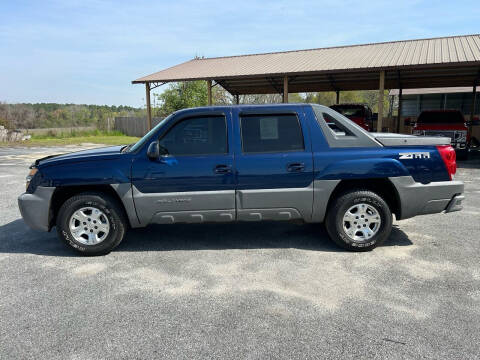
[(111, 218), (366, 202)]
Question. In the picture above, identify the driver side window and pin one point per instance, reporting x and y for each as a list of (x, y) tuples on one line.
[(205, 135)]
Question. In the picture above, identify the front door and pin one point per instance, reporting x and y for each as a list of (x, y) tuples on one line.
[(195, 181), (274, 163)]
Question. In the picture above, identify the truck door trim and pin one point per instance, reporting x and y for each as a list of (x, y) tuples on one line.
[(270, 203), (166, 207)]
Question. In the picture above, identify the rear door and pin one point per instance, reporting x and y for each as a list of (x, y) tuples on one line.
[(195, 182), (274, 164)]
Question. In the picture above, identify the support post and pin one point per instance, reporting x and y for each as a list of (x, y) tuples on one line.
[(474, 95), (337, 100), (285, 89), (209, 90), (472, 113), (399, 115), (149, 106), (237, 99), (381, 90)]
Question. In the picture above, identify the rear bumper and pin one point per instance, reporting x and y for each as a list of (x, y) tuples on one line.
[(35, 208), (455, 204), (421, 199)]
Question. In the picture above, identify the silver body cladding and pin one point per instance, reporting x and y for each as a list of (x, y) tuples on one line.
[(308, 204)]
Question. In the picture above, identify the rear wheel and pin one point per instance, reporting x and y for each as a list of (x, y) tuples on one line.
[(359, 220), (91, 223)]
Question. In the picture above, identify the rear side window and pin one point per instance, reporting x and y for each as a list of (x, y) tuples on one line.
[(271, 133), (337, 127), (341, 132), (197, 136)]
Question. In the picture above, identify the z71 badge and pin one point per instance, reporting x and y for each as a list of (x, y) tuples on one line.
[(414, 155)]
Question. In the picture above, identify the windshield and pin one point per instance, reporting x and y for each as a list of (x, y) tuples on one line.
[(349, 110), (147, 136), (440, 117)]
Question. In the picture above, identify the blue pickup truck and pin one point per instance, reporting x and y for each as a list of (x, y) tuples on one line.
[(244, 163)]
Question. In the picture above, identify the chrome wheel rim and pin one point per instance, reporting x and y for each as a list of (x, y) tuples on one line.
[(361, 222), (89, 225)]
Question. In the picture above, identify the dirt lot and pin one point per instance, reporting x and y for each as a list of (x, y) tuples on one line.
[(240, 291)]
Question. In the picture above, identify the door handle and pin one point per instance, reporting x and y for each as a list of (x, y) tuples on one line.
[(222, 169), (295, 167)]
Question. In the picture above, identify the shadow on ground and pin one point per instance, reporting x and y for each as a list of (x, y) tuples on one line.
[(16, 237), (473, 161)]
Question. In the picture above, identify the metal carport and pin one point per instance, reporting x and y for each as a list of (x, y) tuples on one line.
[(422, 63)]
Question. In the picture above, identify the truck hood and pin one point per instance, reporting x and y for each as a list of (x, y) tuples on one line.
[(83, 155)]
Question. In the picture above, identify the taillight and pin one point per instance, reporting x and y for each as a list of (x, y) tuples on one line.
[(449, 159)]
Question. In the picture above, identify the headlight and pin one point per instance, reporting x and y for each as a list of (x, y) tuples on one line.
[(30, 176)]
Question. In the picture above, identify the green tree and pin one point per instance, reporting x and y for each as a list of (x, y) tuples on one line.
[(368, 97), (44, 115), (183, 95)]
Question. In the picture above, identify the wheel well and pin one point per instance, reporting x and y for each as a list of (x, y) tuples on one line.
[(62, 194), (382, 187)]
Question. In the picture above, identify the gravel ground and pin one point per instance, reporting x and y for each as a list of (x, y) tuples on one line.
[(262, 290)]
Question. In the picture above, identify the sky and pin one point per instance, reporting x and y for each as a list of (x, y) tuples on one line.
[(89, 51)]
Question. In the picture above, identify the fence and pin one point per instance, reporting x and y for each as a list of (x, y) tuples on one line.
[(134, 126)]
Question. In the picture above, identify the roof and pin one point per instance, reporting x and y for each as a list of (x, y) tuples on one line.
[(326, 68), (443, 90)]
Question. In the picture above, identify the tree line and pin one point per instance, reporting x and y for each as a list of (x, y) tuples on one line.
[(52, 115), (175, 97)]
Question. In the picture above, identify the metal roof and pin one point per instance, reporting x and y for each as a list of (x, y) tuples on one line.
[(436, 62)]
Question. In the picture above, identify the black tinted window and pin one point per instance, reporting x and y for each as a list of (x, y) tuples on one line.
[(440, 117), (271, 133), (197, 136)]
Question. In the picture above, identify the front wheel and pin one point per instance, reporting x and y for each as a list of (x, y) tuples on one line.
[(359, 220), (91, 223)]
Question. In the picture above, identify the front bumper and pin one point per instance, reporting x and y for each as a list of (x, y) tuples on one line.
[(35, 208), (421, 199), (457, 138)]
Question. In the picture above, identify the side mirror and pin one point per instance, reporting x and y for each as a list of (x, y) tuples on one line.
[(153, 151)]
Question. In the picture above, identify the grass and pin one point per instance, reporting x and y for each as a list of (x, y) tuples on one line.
[(77, 138)]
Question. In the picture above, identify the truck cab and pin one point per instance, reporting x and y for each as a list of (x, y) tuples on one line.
[(447, 123), (290, 162)]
